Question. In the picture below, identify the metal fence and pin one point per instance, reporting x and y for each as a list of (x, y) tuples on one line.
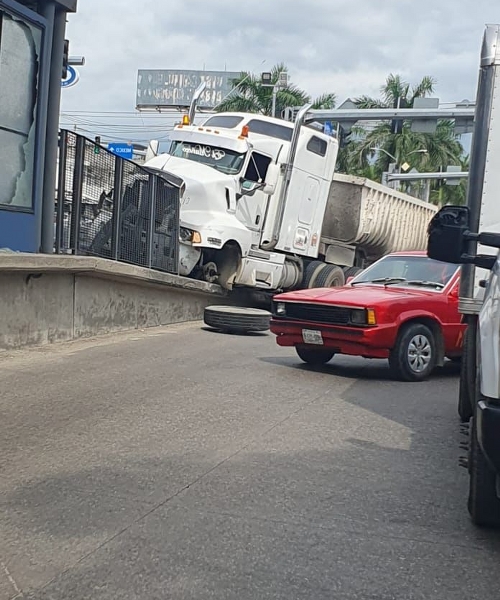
[(113, 208)]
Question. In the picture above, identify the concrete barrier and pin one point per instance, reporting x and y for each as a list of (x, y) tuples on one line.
[(53, 298)]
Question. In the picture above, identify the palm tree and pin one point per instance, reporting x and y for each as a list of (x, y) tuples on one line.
[(442, 194), (250, 95), (381, 146)]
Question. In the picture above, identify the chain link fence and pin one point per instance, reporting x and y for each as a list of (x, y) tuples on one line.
[(113, 208)]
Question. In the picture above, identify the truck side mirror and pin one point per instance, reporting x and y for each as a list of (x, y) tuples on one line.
[(446, 232), (272, 176)]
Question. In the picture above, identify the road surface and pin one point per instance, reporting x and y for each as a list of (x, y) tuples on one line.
[(186, 464)]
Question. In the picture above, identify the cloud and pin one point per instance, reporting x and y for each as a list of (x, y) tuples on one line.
[(328, 45)]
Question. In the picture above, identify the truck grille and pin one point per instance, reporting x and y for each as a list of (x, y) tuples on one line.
[(336, 315)]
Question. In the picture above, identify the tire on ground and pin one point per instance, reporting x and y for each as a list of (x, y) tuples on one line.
[(413, 357), (236, 319), (330, 276), (311, 273), (483, 502), (314, 356)]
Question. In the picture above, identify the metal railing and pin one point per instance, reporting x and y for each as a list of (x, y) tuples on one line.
[(113, 208)]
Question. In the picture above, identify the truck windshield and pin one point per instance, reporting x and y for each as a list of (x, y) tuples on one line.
[(407, 271), (222, 159)]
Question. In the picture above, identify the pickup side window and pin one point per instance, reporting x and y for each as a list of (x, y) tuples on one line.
[(317, 146), (257, 167)]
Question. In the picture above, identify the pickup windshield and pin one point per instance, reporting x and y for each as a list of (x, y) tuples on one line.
[(418, 271), (222, 159)]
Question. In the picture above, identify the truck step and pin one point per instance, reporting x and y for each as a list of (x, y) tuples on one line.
[(463, 461)]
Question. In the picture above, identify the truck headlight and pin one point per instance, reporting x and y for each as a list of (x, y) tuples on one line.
[(280, 309), (188, 235)]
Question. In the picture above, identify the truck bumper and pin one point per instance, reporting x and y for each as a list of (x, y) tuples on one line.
[(488, 431), (369, 342)]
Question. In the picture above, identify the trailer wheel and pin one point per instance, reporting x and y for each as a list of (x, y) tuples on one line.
[(483, 502), (467, 370), (236, 319), (311, 273), (352, 272), (314, 356), (413, 357), (330, 276)]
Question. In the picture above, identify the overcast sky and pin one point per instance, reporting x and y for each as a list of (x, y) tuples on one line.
[(342, 46)]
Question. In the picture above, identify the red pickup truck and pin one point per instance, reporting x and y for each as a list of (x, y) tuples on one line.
[(404, 307)]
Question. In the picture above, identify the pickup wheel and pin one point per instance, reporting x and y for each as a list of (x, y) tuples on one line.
[(413, 358), (311, 273), (330, 276), (314, 356), (483, 502), (236, 319)]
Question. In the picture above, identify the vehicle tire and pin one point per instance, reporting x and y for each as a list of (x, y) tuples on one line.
[(311, 273), (352, 272), (483, 503), (314, 356), (413, 357), (330, 276), (236, 319), (466, 391)]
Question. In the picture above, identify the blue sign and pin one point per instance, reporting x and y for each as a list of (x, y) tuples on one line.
[(71, 78), (327, 128), (123, 150)]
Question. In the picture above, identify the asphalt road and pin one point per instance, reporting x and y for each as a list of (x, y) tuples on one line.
[(182, 463)]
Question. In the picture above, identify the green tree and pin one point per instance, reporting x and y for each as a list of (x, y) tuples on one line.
[(379, 147), (250, 95)]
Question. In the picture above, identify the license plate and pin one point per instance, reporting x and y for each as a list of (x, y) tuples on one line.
[(312, 336)]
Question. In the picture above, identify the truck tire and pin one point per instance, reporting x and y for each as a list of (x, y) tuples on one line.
[(467, 373), (236, 319), (330, 276), (483, 503), (311, 273), (352, 272), (314, 356), (413, 357)]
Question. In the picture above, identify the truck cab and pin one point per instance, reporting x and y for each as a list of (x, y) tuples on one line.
[(254, 192)]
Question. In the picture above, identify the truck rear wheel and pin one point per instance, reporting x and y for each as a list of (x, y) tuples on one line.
[(311, 273), (236, 319), (483, 502), (352, 271), (330, 276), (413, 357), (314, 356)]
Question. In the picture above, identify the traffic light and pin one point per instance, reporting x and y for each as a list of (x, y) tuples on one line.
[(65, 59), (97, 140)]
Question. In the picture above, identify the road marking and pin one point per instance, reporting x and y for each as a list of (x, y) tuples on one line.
[(18, 591)]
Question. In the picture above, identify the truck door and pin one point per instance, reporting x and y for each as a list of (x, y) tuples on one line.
[(251, 202), (312, 174)]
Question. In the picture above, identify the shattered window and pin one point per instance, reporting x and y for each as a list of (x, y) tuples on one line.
[(20, 47)]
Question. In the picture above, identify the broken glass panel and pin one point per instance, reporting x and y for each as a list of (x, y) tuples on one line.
[(20, 48)]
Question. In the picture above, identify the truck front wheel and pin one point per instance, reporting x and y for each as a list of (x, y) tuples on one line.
[(413, 357), (483, 503), (314, 356)]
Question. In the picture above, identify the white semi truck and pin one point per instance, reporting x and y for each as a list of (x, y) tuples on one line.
[(261, 207), (470, 236)]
